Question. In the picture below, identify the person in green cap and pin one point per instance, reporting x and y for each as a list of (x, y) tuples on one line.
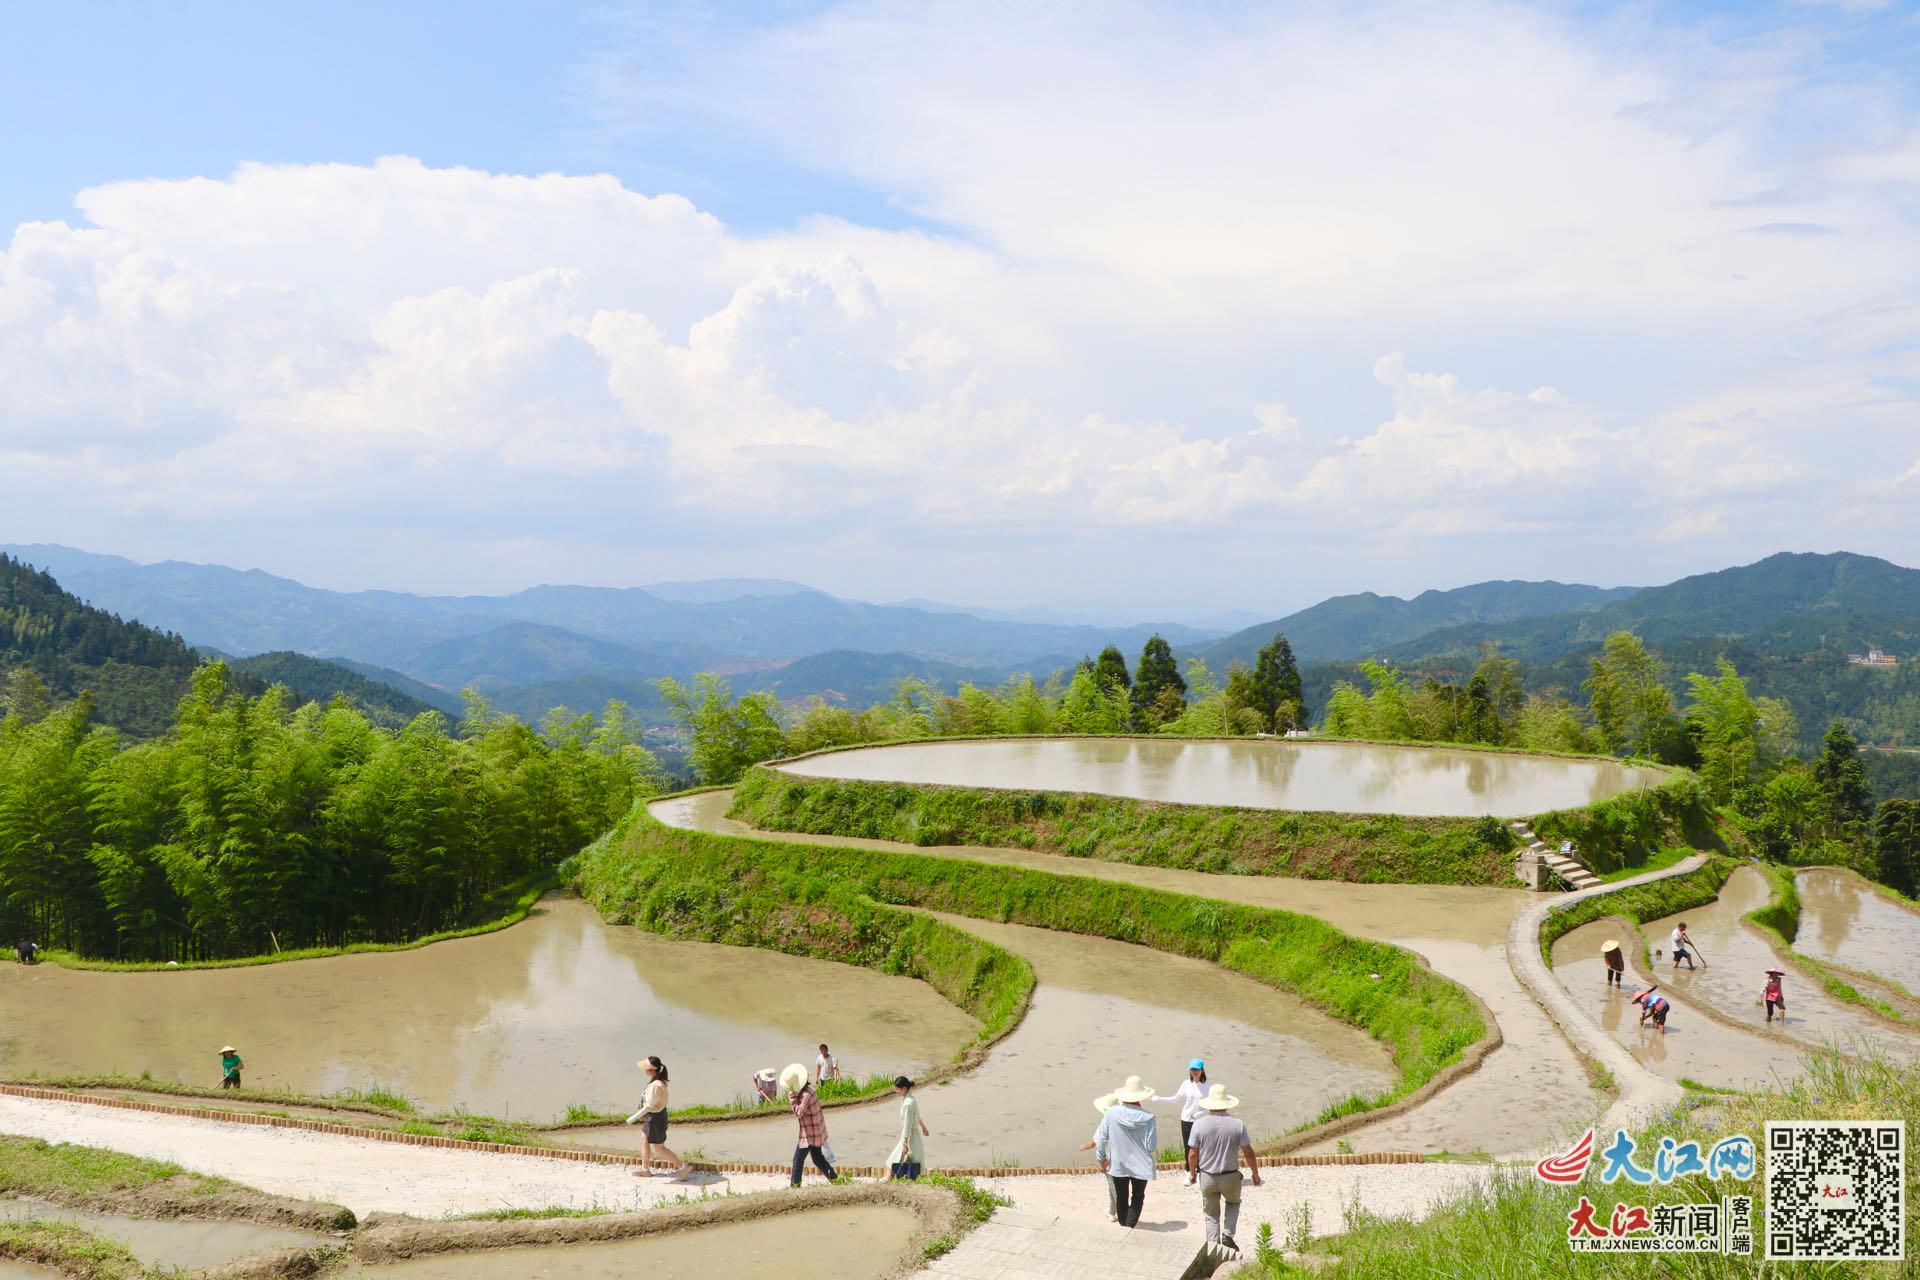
[(230, 1065)]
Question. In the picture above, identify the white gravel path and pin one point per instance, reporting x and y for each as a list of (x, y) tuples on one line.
[(1056, 1225), (360, 1173)]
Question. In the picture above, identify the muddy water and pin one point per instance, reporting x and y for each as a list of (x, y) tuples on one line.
[(1695, 1046), (522, 1022), (1102, 1011), (10, 1270), (1734, 976), (854, 1243), (1460, 931), (174, 1242), (1344, 777), (1843, 920)]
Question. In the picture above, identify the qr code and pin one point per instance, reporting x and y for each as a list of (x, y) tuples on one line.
[(1836, 1189)]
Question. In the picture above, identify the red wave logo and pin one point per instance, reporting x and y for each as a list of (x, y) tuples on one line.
[(1570, 1167)]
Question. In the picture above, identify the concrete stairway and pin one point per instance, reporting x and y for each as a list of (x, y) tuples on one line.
[(1568, 869)]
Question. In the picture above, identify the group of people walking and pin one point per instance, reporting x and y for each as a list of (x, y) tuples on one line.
[(906, 1161), (1127, 1145)]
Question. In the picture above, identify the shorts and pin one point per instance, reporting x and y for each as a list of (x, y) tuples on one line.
[(909, 1170), (230, 1082), (1660, 1015), (656, 1126), (1681, 953)]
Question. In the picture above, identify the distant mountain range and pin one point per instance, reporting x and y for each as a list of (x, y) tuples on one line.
[(554, 641), (137, 675), (1359, 626)]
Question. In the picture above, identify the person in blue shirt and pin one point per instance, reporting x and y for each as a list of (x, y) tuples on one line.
[(1127, 1143)]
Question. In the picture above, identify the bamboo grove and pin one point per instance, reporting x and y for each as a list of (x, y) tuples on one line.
[(257, 826)]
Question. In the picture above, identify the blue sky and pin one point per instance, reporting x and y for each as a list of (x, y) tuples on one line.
[(193, 89), (976, 301)]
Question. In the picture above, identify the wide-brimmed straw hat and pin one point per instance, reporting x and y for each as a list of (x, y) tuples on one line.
[(1774, 968), (1609, 945), (227, 1048), (1218, 1099), (766, 1073), (1133, 1091), (1104, 1101), (793, 1077)]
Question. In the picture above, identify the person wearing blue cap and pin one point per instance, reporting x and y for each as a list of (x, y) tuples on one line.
[(1191, 1093)]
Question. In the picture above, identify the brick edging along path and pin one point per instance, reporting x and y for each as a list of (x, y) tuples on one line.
[(595, 1157)]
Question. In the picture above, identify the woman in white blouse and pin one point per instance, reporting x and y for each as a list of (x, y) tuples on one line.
[(1190, 1094)]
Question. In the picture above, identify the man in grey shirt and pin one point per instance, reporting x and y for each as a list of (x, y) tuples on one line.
[(1219, 1143)]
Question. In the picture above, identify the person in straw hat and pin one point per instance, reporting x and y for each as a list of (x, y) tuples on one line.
[(1616, 962), (1775, 997), (230, 1065), (813, 1123), (1126, 1143), (1220, 1142)]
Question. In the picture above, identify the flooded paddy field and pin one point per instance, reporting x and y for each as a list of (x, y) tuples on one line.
[(1695, 1046), (165, 1243), (11, 1270), (1843, 920), (1734, 975), (1339, 777), (1102, 1011), (1526, 1094), (519, 1023), (852, 1243)]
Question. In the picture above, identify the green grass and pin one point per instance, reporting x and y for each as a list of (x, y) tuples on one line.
[(475, 1129), (1659, 860), (83, 1177), (509, 906), (73, 1251), (1382, 848), (978, 1202), (835, 902), (78, 1175), (939, 1246), (1625, 832), (1517, 1230), (1640, 903), (1780, 920)]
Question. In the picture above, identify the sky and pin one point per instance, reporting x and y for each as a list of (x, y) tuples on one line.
[(1149, 310)]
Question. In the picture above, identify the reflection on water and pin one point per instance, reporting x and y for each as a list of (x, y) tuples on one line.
[(1523, 1097), (522, 1022), (860, 1242), (1695, 1046), (1103, 1011), (1342, 777), (184, 1243), (1843, 920), (1733, 976)]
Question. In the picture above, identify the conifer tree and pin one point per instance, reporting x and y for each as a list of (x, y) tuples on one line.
[(1276, 679), (1158, 677)]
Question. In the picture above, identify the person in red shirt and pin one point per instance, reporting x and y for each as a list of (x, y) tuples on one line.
[(813, 1122), (1775, 997)]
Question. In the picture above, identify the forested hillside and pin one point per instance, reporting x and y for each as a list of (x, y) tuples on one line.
[(254, 826), (316, 680), (134, 673)]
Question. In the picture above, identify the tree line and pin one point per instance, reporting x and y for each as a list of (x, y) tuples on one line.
[(259, 825), (725, 735), (1790, 809)]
